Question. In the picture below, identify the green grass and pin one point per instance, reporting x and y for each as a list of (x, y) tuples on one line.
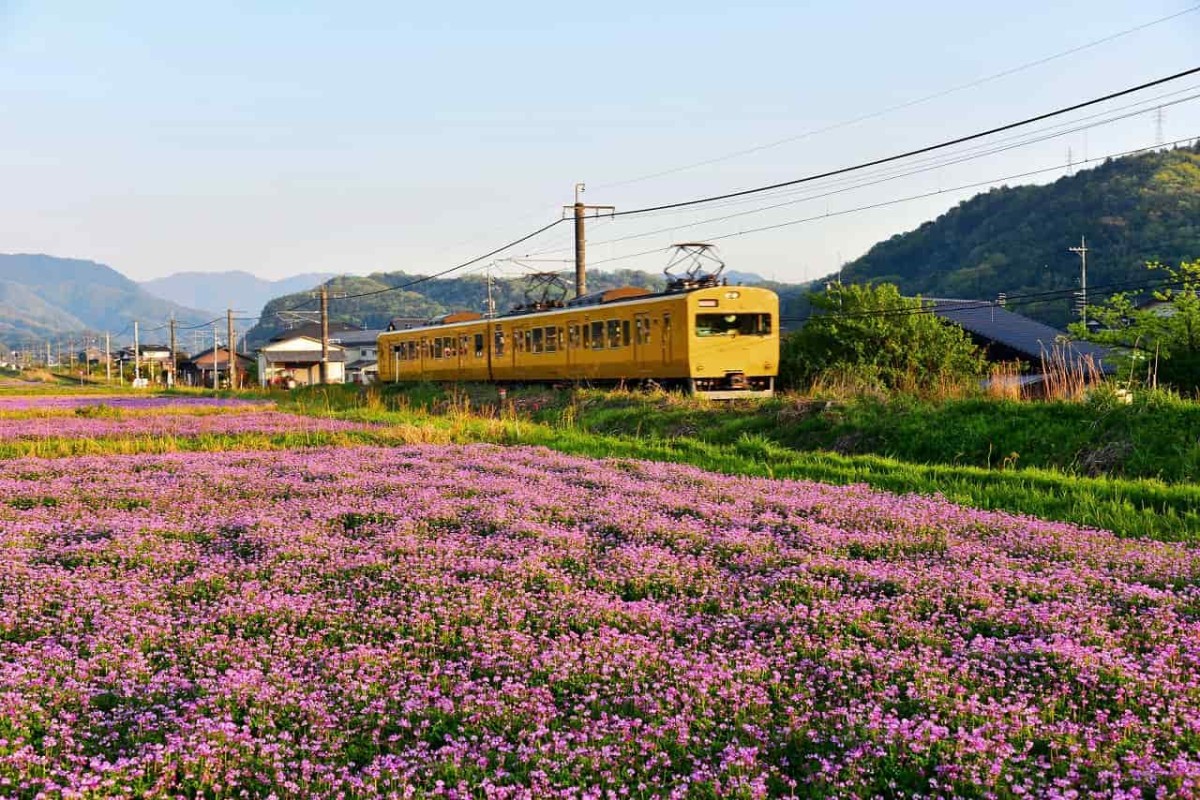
[(746, 441)]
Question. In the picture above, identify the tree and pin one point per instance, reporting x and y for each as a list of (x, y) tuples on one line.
[(875, 334), (1168, 333)]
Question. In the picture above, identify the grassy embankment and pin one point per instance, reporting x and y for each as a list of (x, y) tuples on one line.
[(1129, 469)]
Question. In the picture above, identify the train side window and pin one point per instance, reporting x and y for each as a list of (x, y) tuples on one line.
[(479, 345), (551, 340), (587, 335), (528, 341), (614, 333), (625, 332), (537, 340), (573, 337), (499, 341), (597, 335)]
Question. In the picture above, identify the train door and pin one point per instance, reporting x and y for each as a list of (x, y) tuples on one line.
[(571, 346), (666, 338), (643, 344)]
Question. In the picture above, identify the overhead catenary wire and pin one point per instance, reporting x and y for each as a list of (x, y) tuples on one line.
[(895, 201), (901, 106), (887, 177), (911, 153)]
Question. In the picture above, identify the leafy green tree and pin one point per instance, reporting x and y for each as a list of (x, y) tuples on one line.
[(1162, 339), (877, 335)]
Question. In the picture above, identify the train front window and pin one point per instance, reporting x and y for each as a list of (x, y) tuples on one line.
[(733, 324)]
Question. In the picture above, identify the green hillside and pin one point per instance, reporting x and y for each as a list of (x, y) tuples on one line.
[(1014, 239)]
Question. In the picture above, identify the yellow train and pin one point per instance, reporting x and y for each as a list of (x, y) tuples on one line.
[(719, 341)]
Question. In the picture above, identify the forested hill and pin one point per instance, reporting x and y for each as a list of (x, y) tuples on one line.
[(434, 297), (1015, 239)]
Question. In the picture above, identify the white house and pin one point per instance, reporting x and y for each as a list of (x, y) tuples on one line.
[(296, 361)]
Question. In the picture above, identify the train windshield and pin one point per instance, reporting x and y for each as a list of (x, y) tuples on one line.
[(730, 324)]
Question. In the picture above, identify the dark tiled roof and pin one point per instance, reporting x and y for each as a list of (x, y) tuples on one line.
[(362, 363), (355, 338), (1026, 336)]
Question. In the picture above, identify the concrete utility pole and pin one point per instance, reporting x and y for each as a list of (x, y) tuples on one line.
[(324, 333), (233, 381), (580, 211), (1082, 250), (137, 353), (107, 358), (216, 381), (491, 302), (173, 362)]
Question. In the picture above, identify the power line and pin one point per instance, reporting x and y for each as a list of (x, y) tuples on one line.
[(901, 106), (892, 202), (911, 153), (888, 177)]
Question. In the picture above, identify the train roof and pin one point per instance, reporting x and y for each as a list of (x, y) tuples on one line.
[(618, 297)]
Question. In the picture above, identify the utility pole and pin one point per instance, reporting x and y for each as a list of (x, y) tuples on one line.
[(216, 384), (233, 381), (174, 357), (47, 354), (491, 301), (137, 353), (107, 358), (580, 211), (1082, 250), (324, 333)]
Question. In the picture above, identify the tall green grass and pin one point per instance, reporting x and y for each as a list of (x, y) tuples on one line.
[(668, 429)]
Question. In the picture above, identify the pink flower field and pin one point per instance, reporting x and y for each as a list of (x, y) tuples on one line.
[(484, 622), (69, 402), (244, 421)]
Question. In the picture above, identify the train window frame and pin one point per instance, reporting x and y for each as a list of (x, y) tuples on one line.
[(551, 339), (613, 334), (538, 340), (498, 341), (625, 340), (597, 334), (479, 340), (573, 337), (749, 323)]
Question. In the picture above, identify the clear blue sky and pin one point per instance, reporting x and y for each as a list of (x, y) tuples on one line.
[(293, 137)]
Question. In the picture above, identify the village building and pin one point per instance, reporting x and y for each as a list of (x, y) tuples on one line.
[(295, 360), (362, 355), (211, 368)]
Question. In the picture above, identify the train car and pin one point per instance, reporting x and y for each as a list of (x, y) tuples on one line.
[(716, 340)]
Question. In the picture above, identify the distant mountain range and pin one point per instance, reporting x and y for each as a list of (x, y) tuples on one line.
[(43, 297), (217, 291), (1015, 239)]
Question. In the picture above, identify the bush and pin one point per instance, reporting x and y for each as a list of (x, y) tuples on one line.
[(872, 336)]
